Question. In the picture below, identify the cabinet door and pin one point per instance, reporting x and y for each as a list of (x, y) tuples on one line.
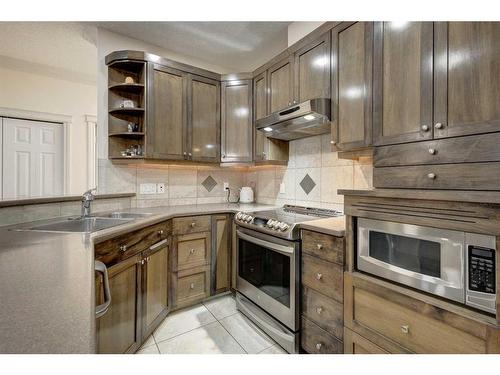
[(467, 78), (167, 130), (119, 331), (236, 121), (204, 119), (312, 70), (260, 110), (281, 85), (154, 287), (221, 254), (352, 86), (402, 82)]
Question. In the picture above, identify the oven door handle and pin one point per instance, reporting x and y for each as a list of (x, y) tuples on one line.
[(286, 250)]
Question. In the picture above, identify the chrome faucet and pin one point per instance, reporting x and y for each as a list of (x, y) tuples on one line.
[(87, 198)]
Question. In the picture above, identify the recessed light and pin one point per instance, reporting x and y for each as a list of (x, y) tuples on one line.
[(268, 129), (309, 117)]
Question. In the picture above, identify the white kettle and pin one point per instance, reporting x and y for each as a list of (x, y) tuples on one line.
[(246, 194)]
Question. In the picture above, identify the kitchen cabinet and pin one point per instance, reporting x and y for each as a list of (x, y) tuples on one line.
[(403, 82), (265, 149), (236, 121), (119, 331), (221, 255), (281, 93), (467, 78), (352, 50), (357, 344)]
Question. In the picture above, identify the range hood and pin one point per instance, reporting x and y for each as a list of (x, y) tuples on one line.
[(306, 119)]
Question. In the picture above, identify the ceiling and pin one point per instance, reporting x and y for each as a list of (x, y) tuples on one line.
[(235, 46)]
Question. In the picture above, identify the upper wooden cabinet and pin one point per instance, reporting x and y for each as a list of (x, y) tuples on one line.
[(403, 74), (352, 48), (467, 78), (312, 70), (280, 77), (236, 121)]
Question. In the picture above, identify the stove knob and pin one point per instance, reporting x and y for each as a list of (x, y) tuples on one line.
[(283, 227), (276, 225), (239, 215), (249, 218), (270, 223), (244, 217)]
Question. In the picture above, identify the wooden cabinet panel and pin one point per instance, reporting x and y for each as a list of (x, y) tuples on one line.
[(236, 121), (321, 275), (204, 119), (467, 78), (403, 74), (280, 78), (191, 224), (192, 250), (312, 70), (357, 344), (192, 285), (325, 312), (323, 246), (352, 85), (221, 257), (167, 127), (118, 331), (315, 340)]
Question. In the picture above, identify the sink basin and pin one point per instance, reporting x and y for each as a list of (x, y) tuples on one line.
[(123, 215), (80, 225)]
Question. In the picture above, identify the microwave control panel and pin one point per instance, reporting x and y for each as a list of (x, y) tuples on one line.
[(481, 269)]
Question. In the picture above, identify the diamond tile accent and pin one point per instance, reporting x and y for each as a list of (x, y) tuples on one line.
[(209, 183), (307, 184)]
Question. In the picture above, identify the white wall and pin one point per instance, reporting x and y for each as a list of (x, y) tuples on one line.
[(40, 93), (298, 30)]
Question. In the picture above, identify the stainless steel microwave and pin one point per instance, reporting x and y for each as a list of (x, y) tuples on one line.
[(456, 265)]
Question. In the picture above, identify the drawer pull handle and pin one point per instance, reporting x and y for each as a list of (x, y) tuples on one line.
[(123, 248), (160, 232), (319, 246), (432, 151), (438, 125), (191, 286), (425, 128), (193, 224), (405, 329), (319, 276), (318, 346), (319, 310), (191, 251), (431, 176)]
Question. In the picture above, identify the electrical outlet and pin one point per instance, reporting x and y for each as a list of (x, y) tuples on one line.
[(226, 186), (282, 188), (147, 188), (160, 188)]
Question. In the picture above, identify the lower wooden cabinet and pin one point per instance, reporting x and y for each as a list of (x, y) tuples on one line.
[(357, 344), (221, 255), (316, 340), (191, 286)]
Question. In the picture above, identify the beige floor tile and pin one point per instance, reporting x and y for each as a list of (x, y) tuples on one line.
[(149, 341), (222, 307), (209, 339), (152, 349), (275, 349)]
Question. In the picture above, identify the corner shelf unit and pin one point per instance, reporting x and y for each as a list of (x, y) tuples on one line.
[(119, 90)]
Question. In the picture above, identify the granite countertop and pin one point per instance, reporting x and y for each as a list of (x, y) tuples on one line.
[(46, 282), (46, 279)]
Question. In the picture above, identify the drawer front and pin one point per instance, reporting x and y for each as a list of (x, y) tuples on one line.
[(192, 285), (476, 148), (315, 340), (471, 176), (122, 247), (325, 312), (192, 252), (357, 344), (326, 247), (191, 224), (323, 276), (412, 330)]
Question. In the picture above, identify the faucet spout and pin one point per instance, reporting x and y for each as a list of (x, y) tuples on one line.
[(87, 198)]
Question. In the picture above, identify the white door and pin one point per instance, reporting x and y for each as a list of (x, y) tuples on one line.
[(32, 158)]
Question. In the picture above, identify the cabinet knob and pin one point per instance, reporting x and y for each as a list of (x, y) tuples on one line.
[(142, 262), (432, 176), (333, 142), (438, 125), (191, 286), (319, 310), (425, 128), (160, 232), (319, 345), (193, 224), (190, 154), (184, 153), (289, 103), (191, 251), (432, 151), (319, 246), (319, 276), (123, 248), (405, 329)]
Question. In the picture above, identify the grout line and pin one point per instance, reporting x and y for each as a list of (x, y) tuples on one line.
[(234, 338)]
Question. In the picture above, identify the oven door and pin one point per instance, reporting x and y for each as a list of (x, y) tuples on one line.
[(267, 274), (424, 258)]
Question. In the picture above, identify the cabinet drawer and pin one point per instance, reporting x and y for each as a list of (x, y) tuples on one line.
[(357, 344), (193, 250), (191, 224), (323, 276), (122, 247), (325, 312), (323, 246), (476, 148), (315, 340), (192, 285), (399, 323), (470, 176)]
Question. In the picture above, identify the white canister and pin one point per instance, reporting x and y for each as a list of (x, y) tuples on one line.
[(246, 194)]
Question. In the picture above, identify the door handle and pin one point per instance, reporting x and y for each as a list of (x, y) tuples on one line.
[(101, 309)]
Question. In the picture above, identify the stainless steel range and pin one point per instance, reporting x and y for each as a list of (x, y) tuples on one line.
[(268, 269)]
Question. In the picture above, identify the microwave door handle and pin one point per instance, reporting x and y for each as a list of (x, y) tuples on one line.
[(286, 250)]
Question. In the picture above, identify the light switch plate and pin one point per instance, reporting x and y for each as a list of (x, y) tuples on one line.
[(160, 188), (147, 189), (282, 188)]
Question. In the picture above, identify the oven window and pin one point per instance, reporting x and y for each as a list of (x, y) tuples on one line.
[(266, 270), (412, 254)]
